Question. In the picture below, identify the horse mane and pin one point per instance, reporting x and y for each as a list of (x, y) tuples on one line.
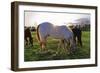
[(37, 33)]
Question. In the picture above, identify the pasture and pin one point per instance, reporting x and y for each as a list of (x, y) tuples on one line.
[(33, 53)]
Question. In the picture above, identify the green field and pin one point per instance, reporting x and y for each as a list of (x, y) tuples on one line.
[(33, 53)]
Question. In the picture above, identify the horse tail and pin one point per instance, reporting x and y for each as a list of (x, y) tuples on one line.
[(37, 33)]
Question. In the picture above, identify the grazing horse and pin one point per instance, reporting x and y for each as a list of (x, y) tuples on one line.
[(77, 35), (28, 36), (63, 33)]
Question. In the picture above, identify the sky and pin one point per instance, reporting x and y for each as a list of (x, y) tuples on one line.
[(35, 18)]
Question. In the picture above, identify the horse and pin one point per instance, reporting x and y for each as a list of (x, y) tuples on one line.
[(63, 33), (27, 36), (77, 35)]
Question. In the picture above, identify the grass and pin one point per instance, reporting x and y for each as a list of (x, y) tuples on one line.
[(33, 53)]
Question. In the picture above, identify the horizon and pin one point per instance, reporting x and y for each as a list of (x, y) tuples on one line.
[(35, 18)]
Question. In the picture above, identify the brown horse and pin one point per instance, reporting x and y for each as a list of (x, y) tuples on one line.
[(77, 35), (28, 37)]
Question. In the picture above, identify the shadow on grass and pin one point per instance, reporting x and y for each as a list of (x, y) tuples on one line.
[(37, 55)]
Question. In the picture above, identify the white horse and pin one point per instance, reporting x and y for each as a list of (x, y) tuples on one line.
[(58, 32)]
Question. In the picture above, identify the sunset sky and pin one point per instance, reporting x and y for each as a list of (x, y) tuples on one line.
[(35, 18)]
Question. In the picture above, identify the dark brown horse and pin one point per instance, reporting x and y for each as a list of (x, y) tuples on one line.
[(77, 35), (28, 37)]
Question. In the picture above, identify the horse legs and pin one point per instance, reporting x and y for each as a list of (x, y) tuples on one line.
[(79, 40), (61, 44), (75, 39), (67, 46), (31, 41), (43, 45), (72, 45), (26, 41)]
